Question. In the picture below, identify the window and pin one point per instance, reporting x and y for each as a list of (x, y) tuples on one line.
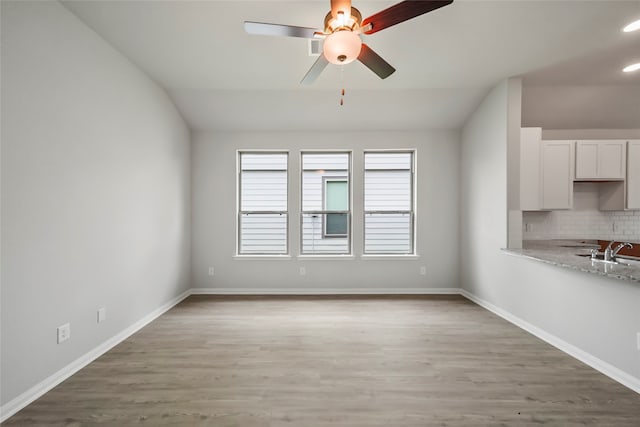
[(336, 198), (326, 203), (326, 206), (388, 202), (262, 203)]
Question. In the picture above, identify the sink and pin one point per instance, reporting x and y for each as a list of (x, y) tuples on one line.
[(620, 260), (581, 244), (630, 261), (598, 258)]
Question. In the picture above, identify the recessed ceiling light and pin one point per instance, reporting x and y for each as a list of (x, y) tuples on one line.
[(634, 26), (632, 67)]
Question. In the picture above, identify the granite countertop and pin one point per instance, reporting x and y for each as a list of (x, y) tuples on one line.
[(564, 253)]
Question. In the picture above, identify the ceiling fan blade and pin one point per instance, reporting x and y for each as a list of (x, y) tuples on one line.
[(374, 62), (315, 70), (343, 6), (401, 12), (264, 29)]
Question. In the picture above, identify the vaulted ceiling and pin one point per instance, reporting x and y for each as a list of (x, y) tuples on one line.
[(222, 78)]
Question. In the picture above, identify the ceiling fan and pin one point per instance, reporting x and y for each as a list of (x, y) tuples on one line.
[(343, 27)]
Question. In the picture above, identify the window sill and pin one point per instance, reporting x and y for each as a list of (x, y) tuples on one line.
[(389, 257), (261, 257), (326, 257)]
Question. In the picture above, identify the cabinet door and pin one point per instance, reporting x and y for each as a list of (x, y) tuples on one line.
[(557, 174), (530, 140), (633, 175), (587, 159), (600, 160), (611, 159)]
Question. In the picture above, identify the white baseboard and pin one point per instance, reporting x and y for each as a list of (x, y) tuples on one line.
[(24, 399), (325, 291), (607, 369)]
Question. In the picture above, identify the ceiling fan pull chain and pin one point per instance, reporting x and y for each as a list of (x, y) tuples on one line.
[(342, 81)]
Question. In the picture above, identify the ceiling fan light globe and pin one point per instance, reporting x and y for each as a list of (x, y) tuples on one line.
[(342, 47), (631, 68), (634, 26)]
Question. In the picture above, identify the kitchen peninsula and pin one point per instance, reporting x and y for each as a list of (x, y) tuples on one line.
[(575, 254)]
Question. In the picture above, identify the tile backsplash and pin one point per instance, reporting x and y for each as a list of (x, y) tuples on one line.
[(591, 224), (585, 221)]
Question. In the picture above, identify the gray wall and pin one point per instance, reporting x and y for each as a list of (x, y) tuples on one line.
[(592, 133), (581, 107), (597, 315), (95, 192), (214, 213)]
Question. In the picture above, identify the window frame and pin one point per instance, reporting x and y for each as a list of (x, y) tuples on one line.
[(348, 212), (240, 212), (411, 212)]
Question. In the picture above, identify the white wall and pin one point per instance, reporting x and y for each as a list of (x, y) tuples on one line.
[(214, 213), (483, 209), (95, 193), (596, 315), (514, 124)]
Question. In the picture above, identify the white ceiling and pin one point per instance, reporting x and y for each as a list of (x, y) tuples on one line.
[(224, 79)]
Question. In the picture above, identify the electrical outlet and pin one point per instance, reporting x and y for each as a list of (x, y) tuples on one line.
[(212, 271), (64, 332), (303, 271), (527, 227), (638, 340), (423, 270), (615, 227), (102, 314)]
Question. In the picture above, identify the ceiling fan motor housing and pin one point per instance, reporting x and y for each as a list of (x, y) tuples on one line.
[(332, 24), (342, 45)]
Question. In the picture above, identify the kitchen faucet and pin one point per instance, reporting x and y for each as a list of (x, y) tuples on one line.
[(610, 254)]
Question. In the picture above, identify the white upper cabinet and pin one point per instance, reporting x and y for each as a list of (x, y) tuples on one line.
[(612, 160), (546, 172), (530, 140), (549, 168), (601, 160), (556, 180), (586, 160), (633, 175)]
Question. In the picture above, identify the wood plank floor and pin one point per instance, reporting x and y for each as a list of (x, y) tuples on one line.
[(333, 361)]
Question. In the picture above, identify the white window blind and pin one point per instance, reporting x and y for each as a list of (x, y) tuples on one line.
[(388, 203), (263, 213)]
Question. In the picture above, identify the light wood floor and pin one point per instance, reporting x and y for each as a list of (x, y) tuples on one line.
[(333, 361)]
